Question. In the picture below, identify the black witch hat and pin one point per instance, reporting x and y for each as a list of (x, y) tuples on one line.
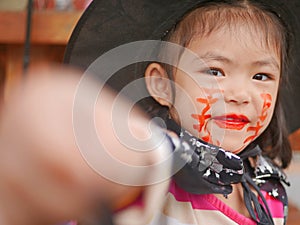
[(107, 24)]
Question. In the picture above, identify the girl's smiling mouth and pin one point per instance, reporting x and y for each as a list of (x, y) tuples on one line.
[(231, 121)]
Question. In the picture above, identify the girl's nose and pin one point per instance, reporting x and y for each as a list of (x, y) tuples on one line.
[(237, 94)]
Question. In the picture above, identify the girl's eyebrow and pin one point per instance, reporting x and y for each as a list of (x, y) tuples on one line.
[(215, 56), (270, 62)]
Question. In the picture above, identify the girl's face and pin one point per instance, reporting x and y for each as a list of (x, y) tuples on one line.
[(231, 97)]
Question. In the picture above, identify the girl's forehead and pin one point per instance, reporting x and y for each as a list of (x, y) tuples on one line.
[(245, 36), (246, 25)]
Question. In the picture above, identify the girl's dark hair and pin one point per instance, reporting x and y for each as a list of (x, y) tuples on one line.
[(265, 15)]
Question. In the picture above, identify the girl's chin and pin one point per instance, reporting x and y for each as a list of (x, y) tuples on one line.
[(231, 141), (233, 148)]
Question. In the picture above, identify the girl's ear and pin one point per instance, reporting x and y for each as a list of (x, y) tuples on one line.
[(159, 84)]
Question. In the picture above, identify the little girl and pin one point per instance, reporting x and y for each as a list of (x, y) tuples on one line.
[(231, 100)]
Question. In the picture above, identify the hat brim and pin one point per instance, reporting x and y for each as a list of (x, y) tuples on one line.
[(108, 24)]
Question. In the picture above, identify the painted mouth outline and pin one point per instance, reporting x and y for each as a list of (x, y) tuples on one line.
[(231, 121)]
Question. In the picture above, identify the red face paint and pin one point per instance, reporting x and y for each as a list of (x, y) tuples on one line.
[(204, 116), (267, 98), (207, 138), (267, 104), (256, 130)]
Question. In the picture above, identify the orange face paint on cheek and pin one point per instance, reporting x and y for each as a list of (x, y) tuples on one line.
[(203, 117), (267, 104), (267, 101)]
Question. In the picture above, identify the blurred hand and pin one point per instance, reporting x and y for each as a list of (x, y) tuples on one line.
[(45, 177)]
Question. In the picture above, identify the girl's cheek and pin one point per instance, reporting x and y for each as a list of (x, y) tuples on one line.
[(205, 103), (262, 121)]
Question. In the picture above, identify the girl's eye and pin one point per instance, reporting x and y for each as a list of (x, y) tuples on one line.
[(215, 72), (261, 76)]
